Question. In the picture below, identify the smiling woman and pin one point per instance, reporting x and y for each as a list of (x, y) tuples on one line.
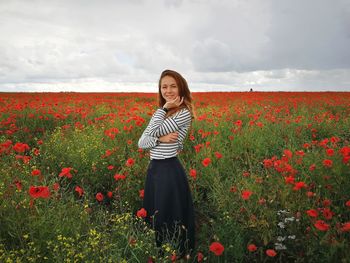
[(167, 196)]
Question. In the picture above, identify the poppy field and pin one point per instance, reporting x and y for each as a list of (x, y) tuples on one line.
[(269, 174)]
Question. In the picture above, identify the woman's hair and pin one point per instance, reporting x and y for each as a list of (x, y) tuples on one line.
[(183, 92)]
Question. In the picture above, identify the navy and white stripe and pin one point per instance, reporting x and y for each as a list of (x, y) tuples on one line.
[(160, 126)]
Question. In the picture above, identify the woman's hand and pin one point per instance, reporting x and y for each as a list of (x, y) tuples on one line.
[(174, 103), (171, 137)]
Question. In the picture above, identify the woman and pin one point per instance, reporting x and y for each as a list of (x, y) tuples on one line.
[(167, 196)]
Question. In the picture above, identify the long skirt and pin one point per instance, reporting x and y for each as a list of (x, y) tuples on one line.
[(168, 202)]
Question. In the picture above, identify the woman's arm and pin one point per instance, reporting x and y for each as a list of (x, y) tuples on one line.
[(159, 126), (146, 141)]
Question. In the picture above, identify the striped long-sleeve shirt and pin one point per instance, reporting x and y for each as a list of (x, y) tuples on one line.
[(160, 126)]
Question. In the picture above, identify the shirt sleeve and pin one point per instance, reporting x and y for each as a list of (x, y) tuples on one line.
[(159, 126), (181, 138), (146, 141)]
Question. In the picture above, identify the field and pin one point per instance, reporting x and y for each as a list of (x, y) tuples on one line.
[(269, 174)]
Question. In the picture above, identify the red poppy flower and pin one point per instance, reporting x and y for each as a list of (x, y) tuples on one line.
[(56, 186), (218, 155), (79, 190), (119, 177), (66, 172), (206, 162), (246, 174), (312, 212), (39, 191), (18, 185), (347, 203), (216, 248), (271, 252), (110, 194), (130, 162), (299, 185), (329, 152), (36, 172), (199, 257), (99, 197), (252, 247), (268, 163), (321, 225), (288, 153), (346, 227), (246, 194), (327, 163), (193, 173), (326, 202), (312, 167), (141, 213), (142, 193), (327, 213), (21, 147)]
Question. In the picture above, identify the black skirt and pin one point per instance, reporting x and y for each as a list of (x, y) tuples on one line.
[(168, 202)]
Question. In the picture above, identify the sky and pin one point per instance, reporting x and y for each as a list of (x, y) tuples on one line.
[(216, 45)]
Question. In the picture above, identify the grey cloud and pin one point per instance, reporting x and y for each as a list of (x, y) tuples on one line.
[(223, 42)]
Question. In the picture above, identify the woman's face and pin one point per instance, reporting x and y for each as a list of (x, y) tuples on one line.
[(169, 88)]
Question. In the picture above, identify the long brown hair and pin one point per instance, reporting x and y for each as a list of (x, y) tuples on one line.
[(183, 92)]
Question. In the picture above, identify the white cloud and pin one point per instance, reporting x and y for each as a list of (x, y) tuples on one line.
[(222, 44)]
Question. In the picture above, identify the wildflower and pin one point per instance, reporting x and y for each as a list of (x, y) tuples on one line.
[(326, 202), (193, 173), (312, 167), (329, 152), (288, 154), (246, 194), (142, 213), (281, 239), (346, 227), (271, 252), (141, 193), (119, 177), (66, 172), (246, 174), (79, 190), (281, 225), (299, 185), (36, 172), (99, 197), (206, 162), (327, 213), (268, 163), (321, 225), (39, 191), (56, 186), (130, 162), (199, 257), (216, 248), (280, 246), (327, 163), (218, 155), (252, 247), (20, 147), (312, 212)]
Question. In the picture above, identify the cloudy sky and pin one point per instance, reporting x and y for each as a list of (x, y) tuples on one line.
[(217, 45)]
